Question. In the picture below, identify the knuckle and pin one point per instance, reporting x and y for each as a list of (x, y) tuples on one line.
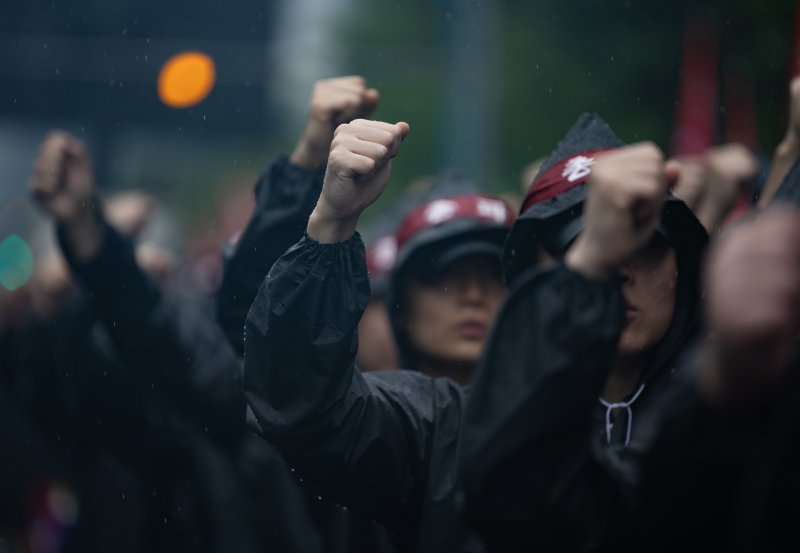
[(652, 150), (344, 128)]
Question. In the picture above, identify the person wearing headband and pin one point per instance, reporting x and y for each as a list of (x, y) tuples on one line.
[(603, 266)]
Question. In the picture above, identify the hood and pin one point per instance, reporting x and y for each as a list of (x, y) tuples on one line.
[(552, 216)]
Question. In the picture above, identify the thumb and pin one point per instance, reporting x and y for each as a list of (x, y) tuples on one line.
[(672, 172), (404, 128)]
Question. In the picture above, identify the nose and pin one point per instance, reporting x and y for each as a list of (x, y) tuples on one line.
[(473, 289), (627, 273)]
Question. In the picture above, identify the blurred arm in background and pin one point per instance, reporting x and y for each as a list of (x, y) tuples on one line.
[(712, 184), (787, 151), (285, 196)]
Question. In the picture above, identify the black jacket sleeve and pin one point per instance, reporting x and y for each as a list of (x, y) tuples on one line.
[(170, 344), (285, 197), (530, 472), (365, 440)]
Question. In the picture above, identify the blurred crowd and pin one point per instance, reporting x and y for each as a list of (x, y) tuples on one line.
[(607, 363)]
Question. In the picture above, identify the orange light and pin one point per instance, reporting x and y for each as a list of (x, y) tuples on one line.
[(186, 79)]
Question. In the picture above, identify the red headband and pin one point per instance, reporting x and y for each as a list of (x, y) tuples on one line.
[(479, 207), (564, 175)]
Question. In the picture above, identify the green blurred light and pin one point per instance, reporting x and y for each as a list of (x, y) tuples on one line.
[(16, 262)]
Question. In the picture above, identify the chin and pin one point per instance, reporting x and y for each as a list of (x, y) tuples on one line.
[(469, 354)]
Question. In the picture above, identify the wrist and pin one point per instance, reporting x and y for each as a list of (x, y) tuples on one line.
[(85, 233), (328, 229), (304, 157), (583, 258), (789, 147)]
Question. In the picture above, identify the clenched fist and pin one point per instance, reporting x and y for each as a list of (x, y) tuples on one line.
[(333, 102), (712, 185), (63, 185), (753, 307), (358, 169), (63, 182), (623, 204)]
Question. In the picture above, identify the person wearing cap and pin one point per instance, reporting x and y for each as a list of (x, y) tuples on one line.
[(447, 284), (381, 443), (603, 267), (377, 350)]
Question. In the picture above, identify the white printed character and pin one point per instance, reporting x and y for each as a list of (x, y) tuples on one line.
[(440, 211), (491, 209), (578, 167)]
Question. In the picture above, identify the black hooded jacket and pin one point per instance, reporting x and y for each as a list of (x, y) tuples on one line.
[(285, 196), (383, 444), (147, 378), (543, 464)]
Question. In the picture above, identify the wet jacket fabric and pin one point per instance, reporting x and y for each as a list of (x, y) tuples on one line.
[(173, 355), (34, 467), (537, 474), (543, 463), (724, 481), (285, 197), (546, 463), (383, 444), (142, 472)]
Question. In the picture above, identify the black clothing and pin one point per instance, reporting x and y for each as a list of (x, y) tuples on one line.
[(722, 481), (173, 345), (535, 466), (285, 197), (135, 462), (542, 462), (381, 443)]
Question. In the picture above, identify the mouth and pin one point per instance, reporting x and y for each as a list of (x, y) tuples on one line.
[(473, 330), (630, 311)]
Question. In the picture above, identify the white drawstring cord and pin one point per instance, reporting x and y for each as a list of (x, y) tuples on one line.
[(621, 404)]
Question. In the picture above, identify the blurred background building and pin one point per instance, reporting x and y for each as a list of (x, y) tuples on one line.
[(487, 86)]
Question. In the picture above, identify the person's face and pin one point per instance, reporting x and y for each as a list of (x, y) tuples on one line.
[(376, 346), (649, 283), (450, 314)]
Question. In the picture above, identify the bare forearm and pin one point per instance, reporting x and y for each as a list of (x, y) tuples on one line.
[(785, 155)]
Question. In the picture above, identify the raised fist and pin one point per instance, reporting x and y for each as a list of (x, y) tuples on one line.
[(63, 183), (359, 165), (753, 307), (712, 185), (625, 194), (333, 102)]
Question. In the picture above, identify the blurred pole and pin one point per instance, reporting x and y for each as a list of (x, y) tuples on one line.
[(306, 48), (695, 128), (796, 45), (469, 109), (741, 123)]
